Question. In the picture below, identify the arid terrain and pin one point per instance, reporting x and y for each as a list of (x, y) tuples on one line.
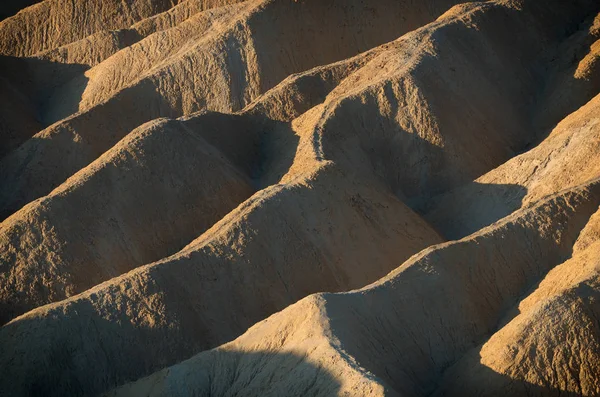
[(300, 198)]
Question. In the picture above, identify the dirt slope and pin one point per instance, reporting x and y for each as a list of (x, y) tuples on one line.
[(404, 73), (567, 351), (18, 117), (397, 336), (566, 158), (40, 79), (343, 232), (172, 73), (52, 23), (164, 202), (95, 48), (382, 340), (427, 115), (194, 299), (178, 177)]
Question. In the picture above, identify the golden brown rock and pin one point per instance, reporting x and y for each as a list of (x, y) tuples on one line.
[(226, 197)]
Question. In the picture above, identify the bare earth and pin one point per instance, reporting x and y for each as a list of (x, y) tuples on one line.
[(300, 197)]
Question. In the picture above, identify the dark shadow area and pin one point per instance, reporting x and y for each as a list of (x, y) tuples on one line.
[(38, 80), (8, 8), (468, 208), (572, 77), (96, 354), (63, 100), (430, 179), (276, 151), (484, 381), (372, 144), (263, 149), (18, 117), (381, 129)]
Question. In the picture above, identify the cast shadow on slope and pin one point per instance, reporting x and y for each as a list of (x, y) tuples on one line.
[(574, 76), (214, 163), (313, 379), (493, 202), (26, 85), (10, 8), (484, 381), (38, 79), (477, 279), (310, 379), (378, 135), (414, 169)]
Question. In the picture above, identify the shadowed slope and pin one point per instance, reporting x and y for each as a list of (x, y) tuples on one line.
[(573, 76), (564, 159), (222, 69), (557, 322), (318, 229), (10, 8), (331, 151), (399, 334), (18, 117), (447, 102), (144, 199)]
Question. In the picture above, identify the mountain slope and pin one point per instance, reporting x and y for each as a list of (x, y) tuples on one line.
[(164, 202), (558, 320), (35, 28), (204, 188), (564, 159), (194, 298), (398, 335), (236, 59)]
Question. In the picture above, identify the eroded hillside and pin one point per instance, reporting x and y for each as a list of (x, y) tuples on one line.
[(300, 197)]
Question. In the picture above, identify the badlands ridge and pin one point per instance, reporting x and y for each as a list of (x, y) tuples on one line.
[(300, 197)]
